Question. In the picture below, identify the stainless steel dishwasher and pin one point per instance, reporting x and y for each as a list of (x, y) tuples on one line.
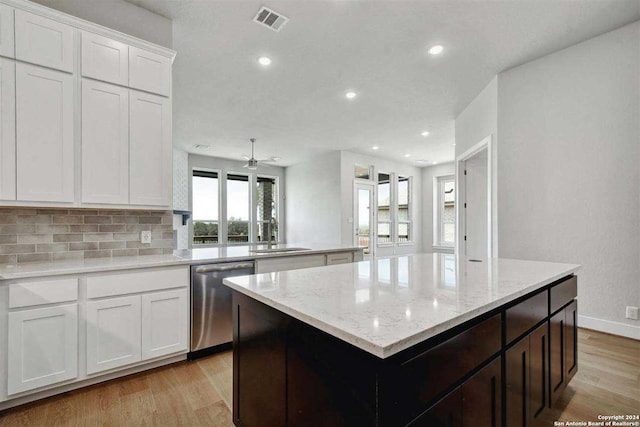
[(211, 325)]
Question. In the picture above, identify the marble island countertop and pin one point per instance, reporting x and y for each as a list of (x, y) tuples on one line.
[(182, 257), (386, 305)]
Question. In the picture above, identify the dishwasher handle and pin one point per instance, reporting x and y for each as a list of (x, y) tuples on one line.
[(222, 267)]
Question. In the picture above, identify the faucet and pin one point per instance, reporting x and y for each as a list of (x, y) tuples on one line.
[(270, 225)]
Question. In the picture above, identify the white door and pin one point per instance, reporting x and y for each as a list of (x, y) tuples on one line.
[(150, 149), (475, 207), (7, 128), (6, 31), (165, 323), (44, 125), (105, 59), (43, 41), (149, 72), (363, 218), (43, 347), (113, 333), (105, 143)]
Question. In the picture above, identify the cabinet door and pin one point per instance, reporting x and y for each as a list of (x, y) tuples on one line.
[(149, 72), (6, 31), (164, 323), (43, 347), (482, 397), (557, 361), (44, 117), (517, 383), (571, 340), (43, 41), (538, 373), (105, 143), (113, 333), (289, 263), (446, 413), (105, 59), (150, 149), (7, 128)]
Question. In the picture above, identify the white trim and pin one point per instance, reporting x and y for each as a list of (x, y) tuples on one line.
[(492, 223), (437, 203), (609, 327), (373, 225)]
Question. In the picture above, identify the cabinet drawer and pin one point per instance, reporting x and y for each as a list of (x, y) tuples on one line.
[(563, 293), (105, 59), (523, 316), (149, 72), (340, 258), (289, 263), (137, 281), (44, 292), (43, 41)]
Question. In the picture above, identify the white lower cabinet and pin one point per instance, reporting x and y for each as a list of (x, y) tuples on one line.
[(113, 333), (165, 323), (43, 347)]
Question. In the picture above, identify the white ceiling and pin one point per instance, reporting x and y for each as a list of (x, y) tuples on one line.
[(296, 107)]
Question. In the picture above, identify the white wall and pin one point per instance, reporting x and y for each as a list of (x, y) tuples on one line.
[(348, 162), (569, 169), (429, 175), (479, 119), (120, 16), (180, 196), (313, 200)]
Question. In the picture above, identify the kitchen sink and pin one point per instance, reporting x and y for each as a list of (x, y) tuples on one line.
[(272, 250)]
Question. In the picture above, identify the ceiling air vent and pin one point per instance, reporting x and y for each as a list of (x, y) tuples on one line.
[(270, 19)]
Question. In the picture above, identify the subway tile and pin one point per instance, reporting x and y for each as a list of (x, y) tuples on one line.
[(83, 246), (8, 238), (85, 228), (108, 212), (34, 219), (97, 254), (162, 243), (67, 256), (125, 252), (68, 219), (137, 213), (97, 220), (41, 257), (8, 219), (52, 229), (167, 251), (150, 251), (34, 238), (123, 219), (137, 244), (150, 220), (84, 212), (17, 249), (113, 245), (52, 211), (68, 237), (52, 247), (121, 228), (98, 237), (138, 228), (17, 228), (126, 236), (8, 259), (167, 220), (18, 211), (167, 234)]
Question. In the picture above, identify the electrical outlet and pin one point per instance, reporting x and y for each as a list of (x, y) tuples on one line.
[(145, 237), (632, 312)]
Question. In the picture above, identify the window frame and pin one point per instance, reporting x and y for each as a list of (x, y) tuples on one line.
[(218, 172), (255, 207), (391, 221), (250, 227), (438, 207), (409, 221)]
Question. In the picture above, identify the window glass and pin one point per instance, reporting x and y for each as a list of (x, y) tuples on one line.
[(205, 207), (362, 171), (267, 208), (384, 208), (404, 209), (446, 219), (237, 208)]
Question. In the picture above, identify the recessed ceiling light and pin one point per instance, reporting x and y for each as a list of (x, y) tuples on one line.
[(407, 155), (276, 158), (425, 133), (350, 95), (375, 147), (264, 61), (422, 161), (435, 163), (436, 49), (201, 147), (454, 144)]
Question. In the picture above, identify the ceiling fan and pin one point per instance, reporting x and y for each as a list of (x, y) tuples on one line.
[(252, 162)]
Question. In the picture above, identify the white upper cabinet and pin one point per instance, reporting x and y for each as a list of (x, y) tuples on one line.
[(44, 134), (105, 143), (150, 149), (43, 41), (149, 71), (105, 59), (6, 31), (165, 323), (7, 130)]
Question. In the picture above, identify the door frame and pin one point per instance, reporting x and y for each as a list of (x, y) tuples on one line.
[(372, 218), (492, 226)]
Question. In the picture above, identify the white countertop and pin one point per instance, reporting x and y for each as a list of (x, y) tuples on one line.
[(184, 257), (386, 305)]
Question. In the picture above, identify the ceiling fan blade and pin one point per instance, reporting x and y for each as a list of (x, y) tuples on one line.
[(245, 166), (246, 157)]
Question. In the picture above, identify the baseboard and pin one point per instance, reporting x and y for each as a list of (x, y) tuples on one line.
[(615, 328)]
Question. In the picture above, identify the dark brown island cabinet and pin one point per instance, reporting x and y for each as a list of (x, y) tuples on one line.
[(503, 368)]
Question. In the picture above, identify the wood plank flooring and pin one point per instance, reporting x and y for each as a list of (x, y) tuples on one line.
[(199, 393)]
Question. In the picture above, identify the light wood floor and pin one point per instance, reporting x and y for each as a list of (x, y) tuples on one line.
[(199, 393)]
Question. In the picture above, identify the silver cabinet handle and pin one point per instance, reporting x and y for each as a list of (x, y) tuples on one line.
[(223, 267)]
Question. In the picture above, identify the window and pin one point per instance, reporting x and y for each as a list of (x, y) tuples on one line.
[(237, 208), (445, 218), (384, 208), (362, 171), (404, 210), (206, 212), (267, 209)]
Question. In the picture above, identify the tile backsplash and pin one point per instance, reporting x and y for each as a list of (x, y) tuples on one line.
[(37, 235)]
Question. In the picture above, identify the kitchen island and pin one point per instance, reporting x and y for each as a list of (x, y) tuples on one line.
[(418, 340)]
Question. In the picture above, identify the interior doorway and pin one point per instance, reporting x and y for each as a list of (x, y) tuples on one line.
[(474, 173), (363, 214)]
